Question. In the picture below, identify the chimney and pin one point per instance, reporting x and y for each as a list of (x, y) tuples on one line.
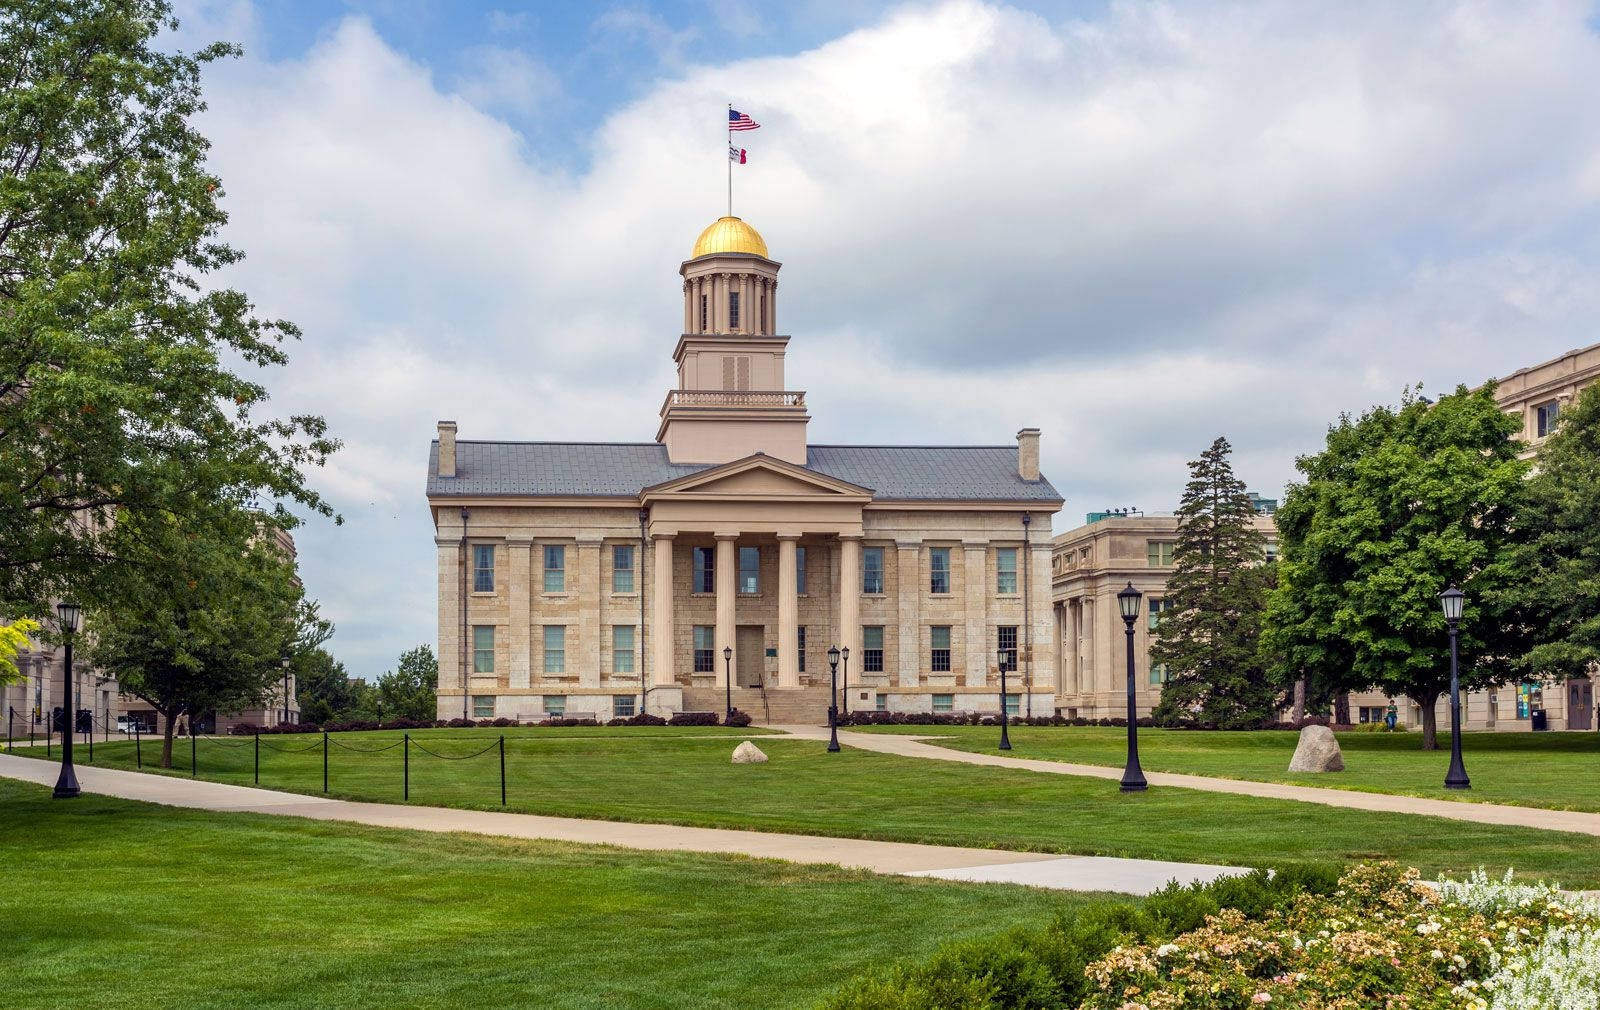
[(1028, 453), (447, 449)]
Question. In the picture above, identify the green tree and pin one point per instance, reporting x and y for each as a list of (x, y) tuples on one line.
[(123, 385), (408, 692), (1209, 637), (1400, 504), (206, 629), (324, 688), (1559, 556), (13, 639)]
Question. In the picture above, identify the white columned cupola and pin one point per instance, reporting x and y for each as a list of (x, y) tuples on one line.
[(731, 401)]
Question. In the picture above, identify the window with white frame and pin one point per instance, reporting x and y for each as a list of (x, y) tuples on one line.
[(1158, 553), (555, 569), (881, 703), (483, 648), (939, 660), (872, 570), (1005, 569), (872, 648), (1545, 416), (1006, 635), (1013, 704), (483, 706), (1158, 606), (622, 648), (622, 706), (749, 570), (555, 648), (944, 702), (705, 570), (555, 705), (705, 640), (483, 568), (622, 569), (938, 569), (1158, 673)]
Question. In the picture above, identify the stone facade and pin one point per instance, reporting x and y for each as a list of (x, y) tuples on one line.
[(749, 553)]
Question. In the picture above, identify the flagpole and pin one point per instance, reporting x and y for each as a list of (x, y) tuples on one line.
[(728, 121)]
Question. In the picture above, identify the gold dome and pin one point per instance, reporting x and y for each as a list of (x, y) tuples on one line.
[(729, 235)]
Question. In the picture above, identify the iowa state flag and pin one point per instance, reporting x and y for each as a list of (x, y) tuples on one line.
[(737, 154)]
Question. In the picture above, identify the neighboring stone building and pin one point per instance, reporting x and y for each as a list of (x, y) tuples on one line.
[(1539, 393), (1089, 566), (30, 702), (570, 573)]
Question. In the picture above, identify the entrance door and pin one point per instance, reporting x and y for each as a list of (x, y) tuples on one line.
[(1580, 704), (751, 654)]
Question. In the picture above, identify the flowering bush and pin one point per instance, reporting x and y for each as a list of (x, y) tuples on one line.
[(1382, 939)]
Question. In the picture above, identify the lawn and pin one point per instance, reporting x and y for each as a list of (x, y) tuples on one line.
[(685, 780), (1554, 770), (111, 903)]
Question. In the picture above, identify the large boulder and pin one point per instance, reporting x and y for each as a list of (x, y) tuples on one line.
[(1317, 751), (748, 753)]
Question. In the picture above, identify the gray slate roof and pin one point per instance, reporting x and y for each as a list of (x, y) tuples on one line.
[(900, 472)]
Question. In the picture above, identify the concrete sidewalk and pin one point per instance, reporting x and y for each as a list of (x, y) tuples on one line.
[(1073, 873), (1459, 810)]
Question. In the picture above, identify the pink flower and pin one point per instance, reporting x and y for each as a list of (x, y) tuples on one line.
[(1261, 997)]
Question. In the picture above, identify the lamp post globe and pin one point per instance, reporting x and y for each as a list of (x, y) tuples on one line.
[(68, 614), (1133, 780), (1005, 737), (727, 679), (1451, 602), (833, 694)]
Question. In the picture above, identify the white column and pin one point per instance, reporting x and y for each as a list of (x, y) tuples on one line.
[(850, 599), (663, 634), (727, 593), (688, 301), (788, 612), (908, 582)]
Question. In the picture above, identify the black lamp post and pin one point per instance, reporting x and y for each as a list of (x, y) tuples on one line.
[(1456, 778), (1132, 776), (845, 695), (727, 677), (1005, 739), (833, 697), (67, 784), (285, 688)]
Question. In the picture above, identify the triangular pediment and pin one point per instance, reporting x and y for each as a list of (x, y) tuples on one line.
[(760, 477)]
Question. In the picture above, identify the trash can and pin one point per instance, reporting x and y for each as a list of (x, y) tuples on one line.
[(1540, 720)]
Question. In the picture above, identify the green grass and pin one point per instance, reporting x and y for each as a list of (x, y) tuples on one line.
[(855, 793), (1552, 770), (110, 903)]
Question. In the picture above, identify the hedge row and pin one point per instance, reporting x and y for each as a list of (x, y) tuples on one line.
[(875, 718), (360, 725), (1025, 968)]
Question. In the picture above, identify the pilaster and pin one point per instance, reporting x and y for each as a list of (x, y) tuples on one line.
[(519, 627), (662, 634), (584, 637), (849, 632), (975, 648), (908, 578), (727, 586), (788, 612)]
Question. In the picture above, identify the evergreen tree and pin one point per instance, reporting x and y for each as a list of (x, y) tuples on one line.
[(1558, 593), (1209, 637)]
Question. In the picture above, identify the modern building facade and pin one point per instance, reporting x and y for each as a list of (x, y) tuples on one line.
[(726, 557)]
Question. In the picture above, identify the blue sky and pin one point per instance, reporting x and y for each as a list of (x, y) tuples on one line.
[(1134, 225)]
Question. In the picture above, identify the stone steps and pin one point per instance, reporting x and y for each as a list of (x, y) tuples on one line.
[(807, 706)]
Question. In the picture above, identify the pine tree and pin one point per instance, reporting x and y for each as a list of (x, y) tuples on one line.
[(1209, 638)]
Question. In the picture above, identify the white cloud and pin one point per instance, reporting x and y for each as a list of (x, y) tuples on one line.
[(1136, 231)]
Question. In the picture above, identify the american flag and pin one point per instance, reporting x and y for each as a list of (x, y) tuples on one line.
[(739, 121)]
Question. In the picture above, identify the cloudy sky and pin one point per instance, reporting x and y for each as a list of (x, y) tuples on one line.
[(1136, 226)]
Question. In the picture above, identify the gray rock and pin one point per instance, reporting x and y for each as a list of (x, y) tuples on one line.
[(748, 753), (1317, 751)]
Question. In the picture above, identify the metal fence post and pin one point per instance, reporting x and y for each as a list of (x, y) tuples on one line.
[(502, 769), (9, 713), (91, 747), (49, 727), (406, 752), (138, 751), (324, 760), (194, 765), (258, 757)]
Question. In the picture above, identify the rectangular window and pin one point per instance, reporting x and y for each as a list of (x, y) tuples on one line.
[(939, 661), (1007, 653), (733, 310), (1005, 570), (1370, 713), (1158, 553), (882, 703), (872, 648), (705, 570), (1545, 416), (483, 648), (622, 706), (622, 569), (749, 569), (939, 570), (801, 645), (483, 568), (872, 570), (483, 706), (622, 648), (800, 573), (944, 702), (1013, 704), (555, 705), (555, 648), (1158, 673), (703, 313), (1158, 606), (705, 640), (1272, 551), (555, 569)]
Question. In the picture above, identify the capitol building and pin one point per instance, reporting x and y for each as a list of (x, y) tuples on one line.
[(729, 554)]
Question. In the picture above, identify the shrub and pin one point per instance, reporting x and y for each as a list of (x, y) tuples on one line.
[(646, 719), (738, 718), (244, 729), (693, 719), (460, 723)]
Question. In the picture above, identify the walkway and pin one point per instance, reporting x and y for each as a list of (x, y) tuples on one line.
[(1073, 873), (1459, 810)]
